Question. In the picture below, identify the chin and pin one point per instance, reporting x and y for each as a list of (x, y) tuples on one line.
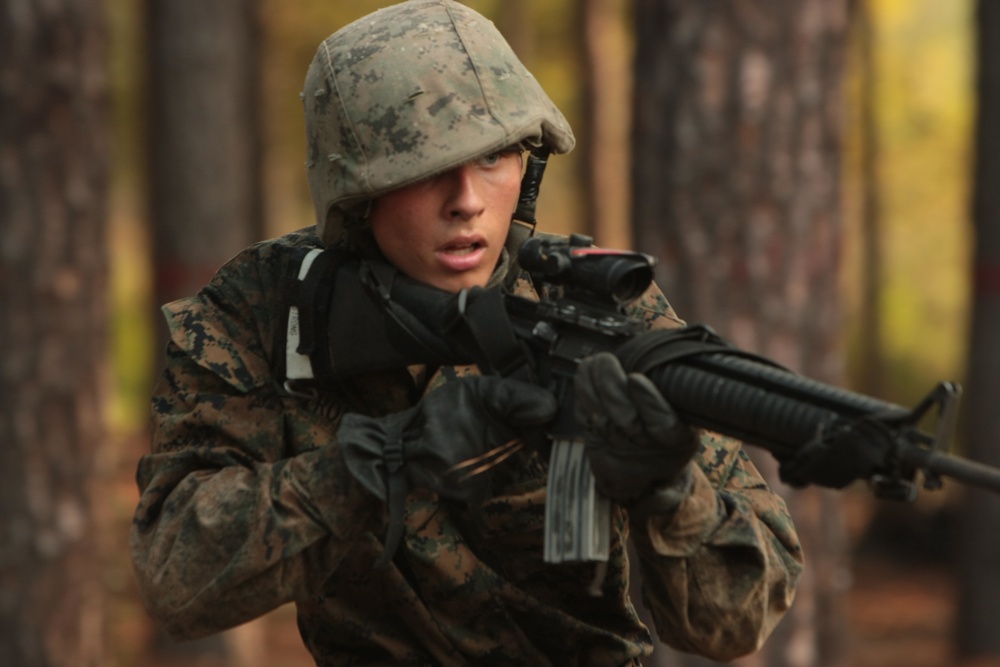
[(458, 283)]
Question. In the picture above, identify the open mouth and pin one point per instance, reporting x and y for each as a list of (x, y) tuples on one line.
[(463, 249), (462, 254)]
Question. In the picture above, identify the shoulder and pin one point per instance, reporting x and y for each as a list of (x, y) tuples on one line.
[(266, 261), (231, 326), (251, 284)]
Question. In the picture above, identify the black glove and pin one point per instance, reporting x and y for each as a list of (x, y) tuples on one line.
[(841, 453), (635, 441), (455, 424)]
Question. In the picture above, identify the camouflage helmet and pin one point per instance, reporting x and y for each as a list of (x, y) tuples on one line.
[(410, 91)]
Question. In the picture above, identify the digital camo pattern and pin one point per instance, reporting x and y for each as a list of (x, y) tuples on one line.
[(410, 91), (246, 505)]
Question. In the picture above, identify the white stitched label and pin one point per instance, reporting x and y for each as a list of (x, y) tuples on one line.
[(307, 262), (297, 366)]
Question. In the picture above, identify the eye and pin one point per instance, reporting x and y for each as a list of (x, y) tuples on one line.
[(492, 159)]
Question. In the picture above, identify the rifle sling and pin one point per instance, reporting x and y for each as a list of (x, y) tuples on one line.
[(484, 315)]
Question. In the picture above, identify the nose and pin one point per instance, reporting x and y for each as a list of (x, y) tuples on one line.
[(464, 200)]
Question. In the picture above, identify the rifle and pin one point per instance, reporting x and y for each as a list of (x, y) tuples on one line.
[(711, 383), (380, 319), (377, 319)]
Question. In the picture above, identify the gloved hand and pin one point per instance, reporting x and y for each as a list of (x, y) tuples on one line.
[(635, 441), (455, 423), (841, 453)]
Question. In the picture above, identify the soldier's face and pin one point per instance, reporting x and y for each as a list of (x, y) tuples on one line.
[(448, 230)]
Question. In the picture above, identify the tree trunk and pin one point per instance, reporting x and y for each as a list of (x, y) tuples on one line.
[(513, 19), (604, 143), (737, 191), (979, 542), (53, 323), (871, 366), (205, 178), (204, 141)]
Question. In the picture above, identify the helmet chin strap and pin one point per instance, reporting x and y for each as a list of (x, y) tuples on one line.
[(355, 228), (538, 159), (522, 224)]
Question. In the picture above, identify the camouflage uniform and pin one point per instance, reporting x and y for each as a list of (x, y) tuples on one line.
[(246, 505)]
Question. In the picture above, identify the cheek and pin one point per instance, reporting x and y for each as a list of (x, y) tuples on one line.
[(394, 242), (514, 197), (391, 225), (505, 204)]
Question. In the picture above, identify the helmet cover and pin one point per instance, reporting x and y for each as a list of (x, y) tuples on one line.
[(410, 91)]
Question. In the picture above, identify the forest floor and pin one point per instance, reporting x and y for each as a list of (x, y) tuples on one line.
[(901, 617)]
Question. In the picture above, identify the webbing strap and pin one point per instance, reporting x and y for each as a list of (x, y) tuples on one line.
[(396, 490), (485, 316), (313, 300), (652, 349)]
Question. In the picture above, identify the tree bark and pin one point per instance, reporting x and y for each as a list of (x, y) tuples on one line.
[(205, 179), (736, 170), (53, 323), (979, 542), (513, 19), (605, 141), (872, 360), (204, 140)]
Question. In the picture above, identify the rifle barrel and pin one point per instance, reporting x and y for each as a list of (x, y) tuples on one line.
[(947, 465)]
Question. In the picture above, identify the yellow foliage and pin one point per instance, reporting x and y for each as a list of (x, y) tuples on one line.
[(924, 102)]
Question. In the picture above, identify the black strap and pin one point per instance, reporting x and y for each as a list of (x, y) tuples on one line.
[(484, 314), (380, 278), (652, 349), (396, 490), (313, 301), (523, 222)]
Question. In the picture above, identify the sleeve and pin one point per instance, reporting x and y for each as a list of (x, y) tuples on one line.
[(244, 503), (720, 571)]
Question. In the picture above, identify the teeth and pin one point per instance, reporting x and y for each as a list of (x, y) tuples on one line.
[(461, 250)]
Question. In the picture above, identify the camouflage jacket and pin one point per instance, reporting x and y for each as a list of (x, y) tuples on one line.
[(246, 505)]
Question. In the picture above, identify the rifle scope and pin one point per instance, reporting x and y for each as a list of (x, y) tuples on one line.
[(612, 276)]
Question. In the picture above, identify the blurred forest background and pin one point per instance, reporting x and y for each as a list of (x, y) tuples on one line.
[(816, 177)]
